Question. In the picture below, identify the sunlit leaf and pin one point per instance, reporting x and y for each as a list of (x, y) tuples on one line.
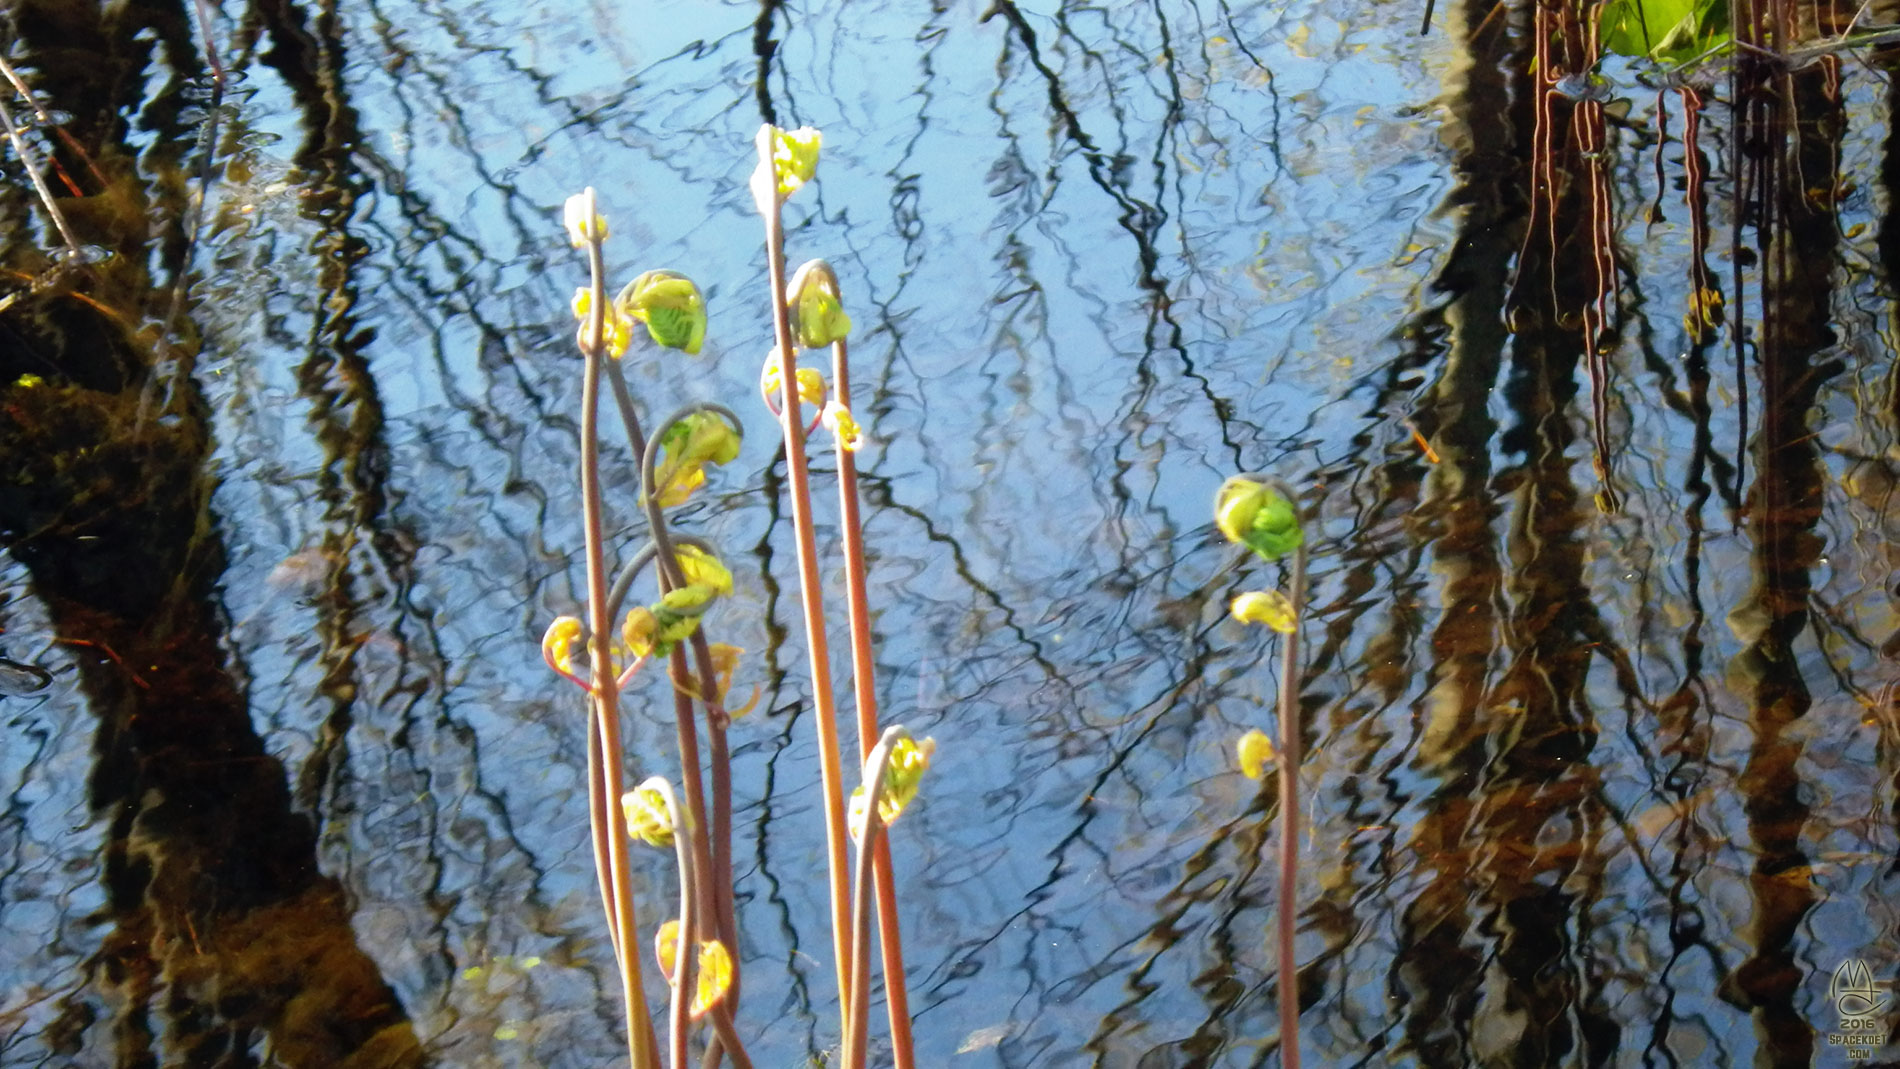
[(794, 158), (1256, 753), (838, 420), (618, 328), (1254, 515), (903, 774), (713, 979), (689, 445), (1268, 607), (557, 646), (666, 946), (702, 568), (641, 631), (584, 223), (1666, 31), (649, 819), (811, 382), (817, 309), (671, 307)]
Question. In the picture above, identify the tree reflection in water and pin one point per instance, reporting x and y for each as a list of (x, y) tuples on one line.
[(1601, 748)]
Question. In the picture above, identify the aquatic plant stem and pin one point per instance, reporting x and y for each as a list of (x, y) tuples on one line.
[(831, 773), (1289, 781), (856, 1021), (642, 1046), (679, 1024), (712, 921), (864, 691), (597, 828)]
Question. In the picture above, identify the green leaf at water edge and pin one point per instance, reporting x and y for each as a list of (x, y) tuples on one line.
[(1666, 31)]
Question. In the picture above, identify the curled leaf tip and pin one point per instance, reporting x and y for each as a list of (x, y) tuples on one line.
[(641, 631), (666, 946), (838, 420), (794, 158), (903, 773), (811, 383), (617, 327), (557, 646), (1257, 516), (671, 307), (649, 818), (689, 444), (817, 308), (584, 222)]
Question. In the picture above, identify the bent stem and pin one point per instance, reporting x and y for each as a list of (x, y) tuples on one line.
[(864, 689), (713, 916), (831, 772), (605, 704), (856, 1023)]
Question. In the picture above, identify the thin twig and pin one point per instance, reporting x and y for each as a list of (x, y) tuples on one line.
[(39, 183), (59, 131)]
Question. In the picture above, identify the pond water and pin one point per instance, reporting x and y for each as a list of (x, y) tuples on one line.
[(1603, 761)]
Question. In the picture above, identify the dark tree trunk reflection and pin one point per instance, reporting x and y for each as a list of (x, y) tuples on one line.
[(224, 932)]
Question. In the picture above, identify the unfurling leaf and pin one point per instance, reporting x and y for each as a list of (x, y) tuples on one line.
[(903, 773), (714, 978), (817, 309), (584, 222), (1258, 517), (649, 819), (557, 646), (666, 947), (794, 158), (838, 420), (702, 568), (1268, 607), (618, 328), (1256, 753), (689, 445), (641, 630), (671, 307), (811, 383), (655, 629)]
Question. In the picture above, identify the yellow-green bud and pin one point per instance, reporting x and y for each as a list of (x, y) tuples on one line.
[(1268, 607), (1258, 517), (671, 307), (818, 316), (649, 819)]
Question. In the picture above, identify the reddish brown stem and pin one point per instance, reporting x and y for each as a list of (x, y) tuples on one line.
[(864, 687), (830, 766), (641, 1044)]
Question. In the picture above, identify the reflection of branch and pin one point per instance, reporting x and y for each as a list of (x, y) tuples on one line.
[(39, 182)]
